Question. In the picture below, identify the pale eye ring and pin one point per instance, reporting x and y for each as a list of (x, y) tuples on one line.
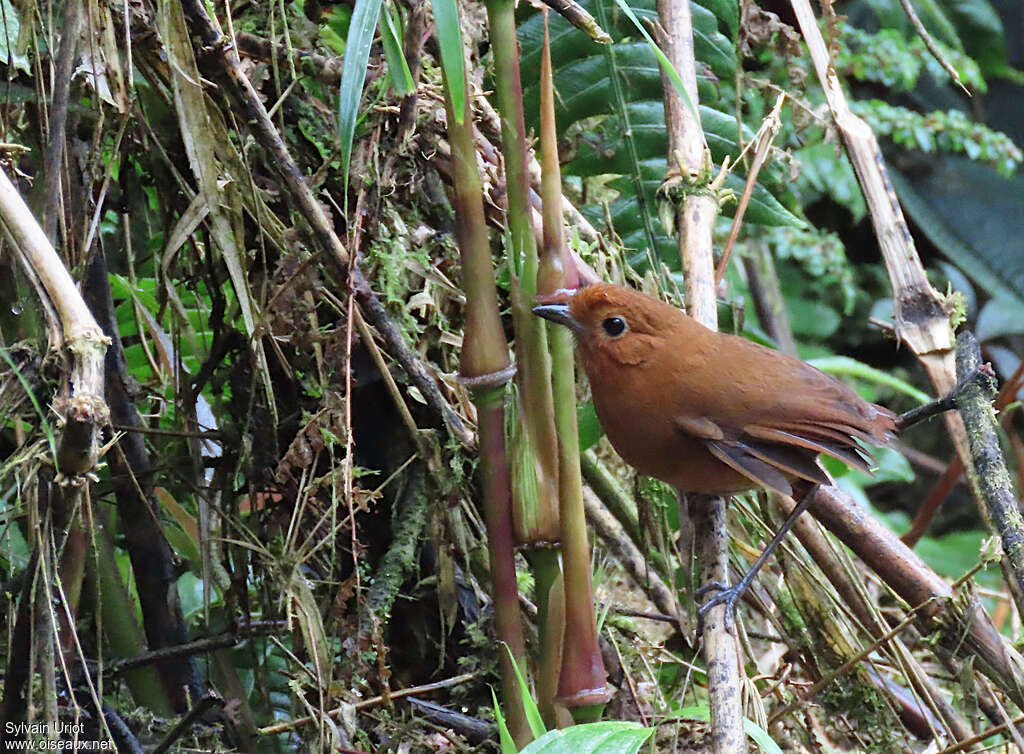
[(614, 326)]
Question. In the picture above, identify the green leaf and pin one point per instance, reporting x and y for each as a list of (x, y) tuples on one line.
[(891, 16), (1000, 316), (508, 745), (608, 737), (449, 39), (764, 208), (728, 11), (10, 28), (953, 554), (822, 173), (612, 97), (981, 31), (533, 717), (702, 713), (848, 367), (51, 438), (398, 67), (589, 427), (353, 75), (890, 466), (962, 207), (761, 737), (569, 45)]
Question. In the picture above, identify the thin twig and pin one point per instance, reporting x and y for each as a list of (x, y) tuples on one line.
[(186, 722), (201, 434), (950, 476), (765, 136), (932, 47), (372, 701), (848, 665), (199, 646), (983, 735)]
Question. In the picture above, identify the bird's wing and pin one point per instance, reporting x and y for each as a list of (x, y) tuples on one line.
[(766, 462), (782, 393), (739, 458), (812, 438), (775, 415)]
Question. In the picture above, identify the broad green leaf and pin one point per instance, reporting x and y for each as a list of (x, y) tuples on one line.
[(10, 28), (821, 174), (890, 466), (335, 31), (1000, 316), (890, 15), (449, 39), (764, 208), (711, 47), (981, 30), (569, 45), (962, 207), (812, 317), (617, 90), (608, 737), (353, 74), (727, 11), (954, 554)]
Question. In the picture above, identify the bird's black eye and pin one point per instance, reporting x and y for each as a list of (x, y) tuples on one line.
[(614, 326)]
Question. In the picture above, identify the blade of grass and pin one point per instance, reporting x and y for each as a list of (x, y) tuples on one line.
[(449, 39), (670, 69), (353, 74), (702, 713), (51, 439), (532, 712), (508, 746), (398, 67)]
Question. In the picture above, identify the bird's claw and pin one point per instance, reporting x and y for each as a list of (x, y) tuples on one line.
[(727, 595), (711, 586)]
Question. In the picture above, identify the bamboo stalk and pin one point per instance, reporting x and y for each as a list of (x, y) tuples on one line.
[(485, 368), (532, 356), (581, 682)]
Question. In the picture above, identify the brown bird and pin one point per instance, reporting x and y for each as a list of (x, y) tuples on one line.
[(709, 412)]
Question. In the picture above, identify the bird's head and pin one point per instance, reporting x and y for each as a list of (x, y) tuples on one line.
[(612, 322)]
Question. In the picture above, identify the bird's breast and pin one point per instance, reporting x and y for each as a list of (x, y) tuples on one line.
[(643, 430)]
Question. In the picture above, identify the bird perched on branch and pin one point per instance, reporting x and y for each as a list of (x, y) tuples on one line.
[(709, 412)]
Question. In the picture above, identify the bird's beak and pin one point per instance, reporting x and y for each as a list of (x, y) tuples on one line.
[(559, 314)]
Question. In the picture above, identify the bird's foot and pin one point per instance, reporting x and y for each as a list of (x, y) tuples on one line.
[(726, 595)]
